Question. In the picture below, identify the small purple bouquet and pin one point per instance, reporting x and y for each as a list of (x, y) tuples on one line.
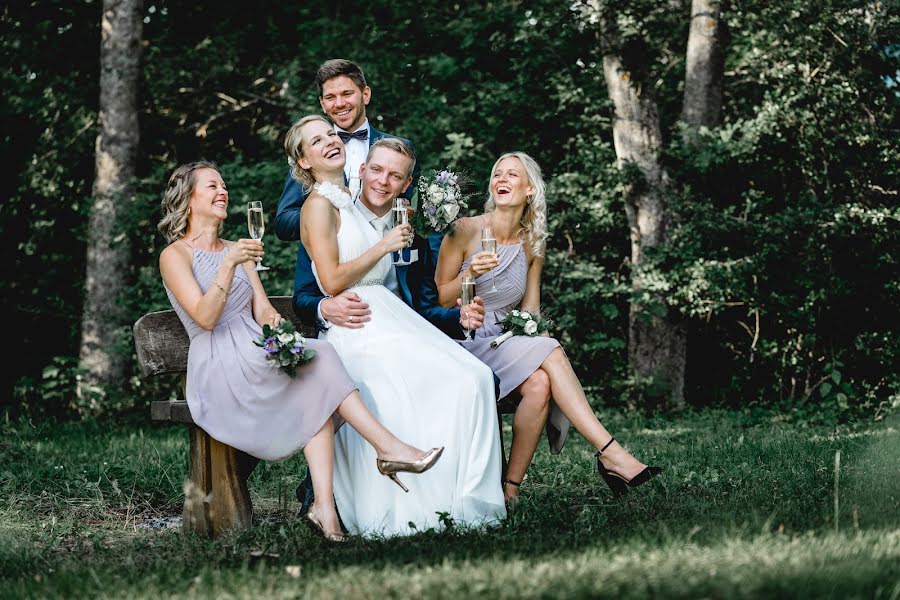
[(285, 347), (520, 322), (440, 201)]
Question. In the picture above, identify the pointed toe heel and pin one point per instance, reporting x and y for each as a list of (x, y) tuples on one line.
[(312, 520), (390, 468)]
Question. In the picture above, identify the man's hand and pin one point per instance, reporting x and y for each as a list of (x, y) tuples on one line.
[(471, 316), (346, 309)]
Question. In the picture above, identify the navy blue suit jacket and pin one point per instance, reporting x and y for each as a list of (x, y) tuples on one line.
[(417, 287)]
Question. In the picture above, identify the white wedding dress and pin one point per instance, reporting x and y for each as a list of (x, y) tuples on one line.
[(428, 391)]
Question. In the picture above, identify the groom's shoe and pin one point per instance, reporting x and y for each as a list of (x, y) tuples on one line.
[(305, 494)]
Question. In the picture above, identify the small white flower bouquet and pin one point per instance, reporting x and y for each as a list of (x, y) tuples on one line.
[(518, 322), (440, 201), (285, 347)]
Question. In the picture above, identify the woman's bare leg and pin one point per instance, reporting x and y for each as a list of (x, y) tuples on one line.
[(569, 396), (528, 422), (319, 454), (387, 445)]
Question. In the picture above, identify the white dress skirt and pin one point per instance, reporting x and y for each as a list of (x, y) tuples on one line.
[(425, 389)]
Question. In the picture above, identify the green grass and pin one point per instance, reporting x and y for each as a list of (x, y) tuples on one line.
[(743, 510)]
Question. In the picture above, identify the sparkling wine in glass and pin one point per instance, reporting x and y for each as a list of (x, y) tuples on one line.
[(467, 294), (489, 244), (401, 217), (256, 225)]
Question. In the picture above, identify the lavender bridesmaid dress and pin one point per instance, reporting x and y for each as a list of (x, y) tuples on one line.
[(233, 392), (517, 358)]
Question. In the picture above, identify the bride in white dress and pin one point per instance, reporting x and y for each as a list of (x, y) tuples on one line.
[(414, 379)]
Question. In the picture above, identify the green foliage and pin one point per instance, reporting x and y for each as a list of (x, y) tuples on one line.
[(782, 259)]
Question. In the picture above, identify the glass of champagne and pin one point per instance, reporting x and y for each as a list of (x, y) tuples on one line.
[(256, 226), (467, 295), (489, 244), (355, 184), (401, 217)]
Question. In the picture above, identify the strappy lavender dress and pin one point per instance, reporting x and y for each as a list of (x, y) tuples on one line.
[(518, 357), (233, 392)]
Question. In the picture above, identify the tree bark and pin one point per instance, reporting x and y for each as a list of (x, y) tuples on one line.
[(657, 336), (657, 339), (706, 45), (116, 149)]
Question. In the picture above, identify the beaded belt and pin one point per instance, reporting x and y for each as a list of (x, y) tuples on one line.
[(368, 282)]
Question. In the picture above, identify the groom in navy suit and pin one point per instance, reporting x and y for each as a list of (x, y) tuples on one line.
[(343, 95)]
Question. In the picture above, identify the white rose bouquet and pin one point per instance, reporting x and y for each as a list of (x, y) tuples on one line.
[(522, 322), (440, 200), (285, 347)]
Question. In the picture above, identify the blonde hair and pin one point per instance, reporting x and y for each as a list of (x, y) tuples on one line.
[(398, 146), (293, 147), (176, 202), (533, 226)]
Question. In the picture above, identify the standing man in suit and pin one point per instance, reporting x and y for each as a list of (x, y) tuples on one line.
[(343, 95)]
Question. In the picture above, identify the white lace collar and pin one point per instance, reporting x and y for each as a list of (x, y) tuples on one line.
[(338, 197)]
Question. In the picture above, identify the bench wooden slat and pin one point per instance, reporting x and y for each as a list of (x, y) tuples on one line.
[(175, 411), (162, 343)]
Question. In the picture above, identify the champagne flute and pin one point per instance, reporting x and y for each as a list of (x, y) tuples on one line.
[(256, 226), (467, 295), (401, 217), (354, 182), (489, 244)]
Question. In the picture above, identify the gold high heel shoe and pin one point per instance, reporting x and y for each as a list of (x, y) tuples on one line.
[(313, 521), (390, 468)]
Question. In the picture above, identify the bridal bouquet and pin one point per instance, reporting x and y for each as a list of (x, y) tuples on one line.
[(518, 322), (440, 200), (285, 347)]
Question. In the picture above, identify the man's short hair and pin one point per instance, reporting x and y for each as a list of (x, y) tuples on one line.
[(338, 67), (397, 145)]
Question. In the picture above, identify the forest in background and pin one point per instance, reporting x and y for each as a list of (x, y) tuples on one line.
[(783, 257)]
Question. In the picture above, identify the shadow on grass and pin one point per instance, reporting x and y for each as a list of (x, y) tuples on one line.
[(728, 490)]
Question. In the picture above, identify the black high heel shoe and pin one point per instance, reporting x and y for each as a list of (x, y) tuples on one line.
[(618, 484)]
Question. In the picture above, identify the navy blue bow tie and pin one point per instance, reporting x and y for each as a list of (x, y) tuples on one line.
[(361, 135)]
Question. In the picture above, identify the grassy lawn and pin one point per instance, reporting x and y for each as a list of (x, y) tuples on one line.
[(744, 509)]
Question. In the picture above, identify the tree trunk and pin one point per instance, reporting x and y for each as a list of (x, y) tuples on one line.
[(705, 65), (657, 337), (116, 149)]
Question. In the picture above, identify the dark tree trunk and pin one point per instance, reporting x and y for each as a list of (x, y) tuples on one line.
[(116, 149)]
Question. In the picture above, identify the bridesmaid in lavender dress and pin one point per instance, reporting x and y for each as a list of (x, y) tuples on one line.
[(534, 369), (233, 392)]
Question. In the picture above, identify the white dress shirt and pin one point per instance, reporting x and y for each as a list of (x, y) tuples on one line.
[(356, 151)]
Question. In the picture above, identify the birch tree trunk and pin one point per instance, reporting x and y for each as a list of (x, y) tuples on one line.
[(116, 148)]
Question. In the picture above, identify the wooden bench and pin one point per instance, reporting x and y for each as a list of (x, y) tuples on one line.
[(216, 496)]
